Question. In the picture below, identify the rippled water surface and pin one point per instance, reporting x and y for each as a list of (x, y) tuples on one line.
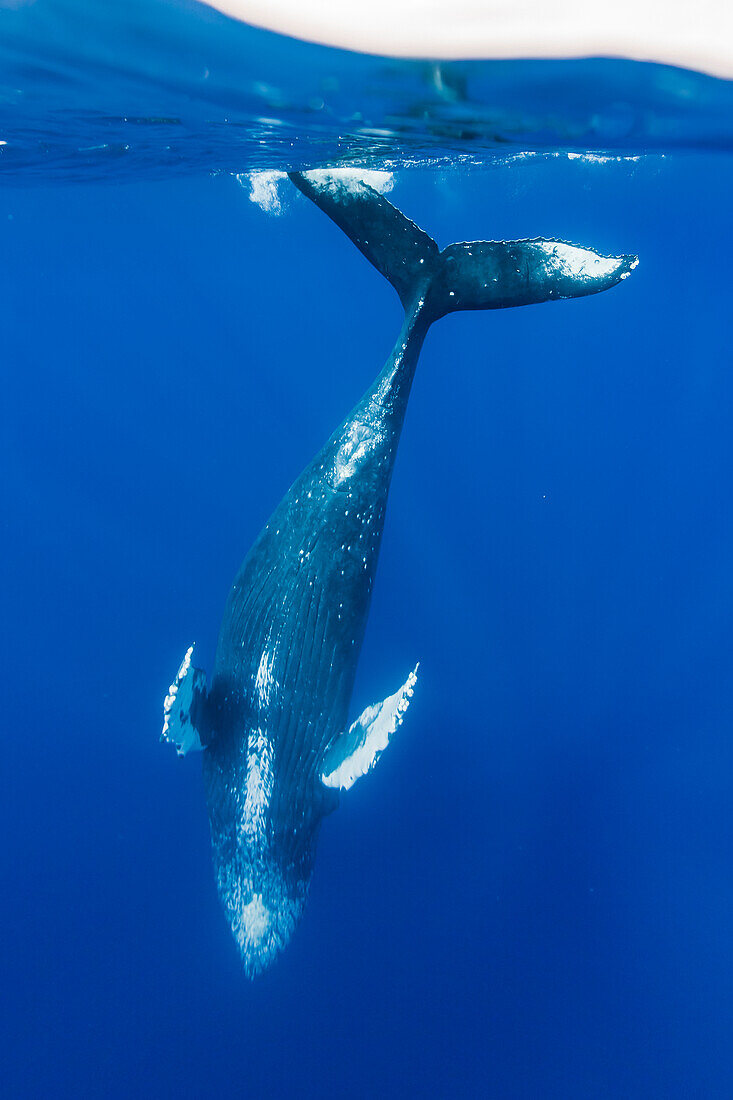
[(149, 87)]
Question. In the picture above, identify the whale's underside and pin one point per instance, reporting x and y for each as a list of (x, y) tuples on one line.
[(274, 725)]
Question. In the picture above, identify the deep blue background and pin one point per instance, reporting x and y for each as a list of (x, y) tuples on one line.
[(532, 896)]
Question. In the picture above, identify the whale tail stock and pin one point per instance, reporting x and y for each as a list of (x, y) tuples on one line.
[(471, 275)]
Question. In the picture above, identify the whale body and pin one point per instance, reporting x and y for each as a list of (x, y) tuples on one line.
[(273, 726)]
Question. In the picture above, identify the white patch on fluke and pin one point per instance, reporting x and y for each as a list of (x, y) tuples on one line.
[(378, 180), (369, 736), (581, 262), (265, 186)]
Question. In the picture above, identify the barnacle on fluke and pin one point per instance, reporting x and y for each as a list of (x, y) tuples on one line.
[(274, 724)]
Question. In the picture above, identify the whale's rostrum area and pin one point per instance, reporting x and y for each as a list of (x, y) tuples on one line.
[(262, 900), (274, 726)]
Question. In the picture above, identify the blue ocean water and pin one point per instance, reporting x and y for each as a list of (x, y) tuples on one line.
[(532, 895)]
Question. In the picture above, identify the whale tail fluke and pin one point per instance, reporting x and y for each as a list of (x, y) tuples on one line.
[(471, 275), (183, 709)]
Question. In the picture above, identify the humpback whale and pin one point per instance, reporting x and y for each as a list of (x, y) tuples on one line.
[(273, 725)]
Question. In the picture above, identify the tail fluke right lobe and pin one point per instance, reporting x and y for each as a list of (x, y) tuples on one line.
[(501, 274)]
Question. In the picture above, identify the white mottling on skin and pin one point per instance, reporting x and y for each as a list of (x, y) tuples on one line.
[(360, 441), (264, 682), (262, 915), (258, 786), (256, 919)]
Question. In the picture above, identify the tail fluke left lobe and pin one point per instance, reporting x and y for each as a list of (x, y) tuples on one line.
[(398, 248)]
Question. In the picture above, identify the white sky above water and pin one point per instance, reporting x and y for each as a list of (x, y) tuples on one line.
[(695, 35)]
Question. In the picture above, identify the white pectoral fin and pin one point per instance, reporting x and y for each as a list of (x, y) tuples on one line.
[(357, 751), (183, 708)]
